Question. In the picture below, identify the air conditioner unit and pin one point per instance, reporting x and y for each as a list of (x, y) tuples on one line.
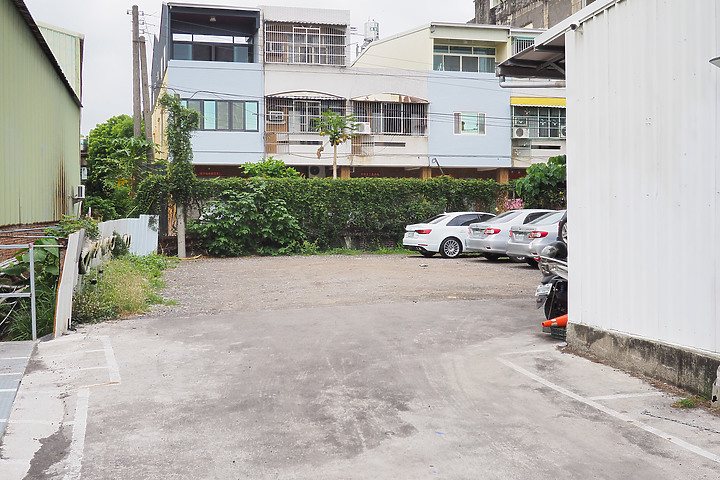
[(316, 171), (562, 132), (363, 128), (520, 132), (80, 192), (276, 116)]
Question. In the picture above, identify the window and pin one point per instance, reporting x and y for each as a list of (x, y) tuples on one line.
[(469, 123), (455, 58), (393, 118), (225, 115), (213, 48), (316, 45), (541, 122)]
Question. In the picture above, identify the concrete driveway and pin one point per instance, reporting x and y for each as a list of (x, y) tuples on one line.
[(414, 380)]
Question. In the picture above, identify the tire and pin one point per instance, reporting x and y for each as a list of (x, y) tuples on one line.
[(518, 259), (426, 254), (491, 256), (531, 261), (451, 247)]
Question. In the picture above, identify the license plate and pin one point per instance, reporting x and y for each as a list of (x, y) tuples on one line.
[(519, 236), (543, 289)]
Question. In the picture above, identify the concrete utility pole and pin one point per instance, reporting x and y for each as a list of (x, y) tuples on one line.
[(137, 131), (146, 100)]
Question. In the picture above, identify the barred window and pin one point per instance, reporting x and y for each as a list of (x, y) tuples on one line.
[(317, 45), (393, 118), (540, 122), (289, 115)]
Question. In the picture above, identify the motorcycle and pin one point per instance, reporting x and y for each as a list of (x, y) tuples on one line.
[(552, 293)]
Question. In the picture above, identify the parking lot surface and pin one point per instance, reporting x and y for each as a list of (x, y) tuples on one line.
[(343, 367)]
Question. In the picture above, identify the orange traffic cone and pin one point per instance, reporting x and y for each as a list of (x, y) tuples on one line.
[(560, 321)]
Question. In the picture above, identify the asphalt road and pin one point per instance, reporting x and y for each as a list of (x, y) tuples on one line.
[(441, 385)]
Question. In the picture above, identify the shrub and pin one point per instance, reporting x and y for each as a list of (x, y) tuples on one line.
[(544, 186), (247, 222)]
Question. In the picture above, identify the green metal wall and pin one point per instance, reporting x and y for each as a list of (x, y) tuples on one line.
[(39, 129)]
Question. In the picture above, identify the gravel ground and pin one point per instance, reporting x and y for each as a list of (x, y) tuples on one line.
[(274, 283)]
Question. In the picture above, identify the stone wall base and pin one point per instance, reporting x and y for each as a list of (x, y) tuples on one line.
[(687, 369)]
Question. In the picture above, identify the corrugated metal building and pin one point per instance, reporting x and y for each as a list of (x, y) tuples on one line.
[(39, 120), (643, 183)]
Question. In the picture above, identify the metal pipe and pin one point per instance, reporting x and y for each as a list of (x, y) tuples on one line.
[(32, 291), (526, 84)]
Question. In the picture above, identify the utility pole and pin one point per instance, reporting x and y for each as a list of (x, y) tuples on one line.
[(146, 101), (137, 131)]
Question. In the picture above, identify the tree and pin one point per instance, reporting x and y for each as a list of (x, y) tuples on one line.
[(115, 161), (544, 185), (339, 128), (183, 183)]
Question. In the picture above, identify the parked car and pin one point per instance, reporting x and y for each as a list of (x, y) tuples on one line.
[(445, 233), (528, 240), (562, 229), (490, 237)]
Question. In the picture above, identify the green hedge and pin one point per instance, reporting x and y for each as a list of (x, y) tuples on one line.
[(372, 210)]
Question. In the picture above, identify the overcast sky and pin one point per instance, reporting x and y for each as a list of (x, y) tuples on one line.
[(107, 67)]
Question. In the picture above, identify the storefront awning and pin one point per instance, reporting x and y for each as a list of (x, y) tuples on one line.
[(537, 102)]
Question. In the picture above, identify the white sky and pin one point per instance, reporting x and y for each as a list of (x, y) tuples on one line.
[(107, 67)]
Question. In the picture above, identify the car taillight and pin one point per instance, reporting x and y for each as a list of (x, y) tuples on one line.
[(511, 234), (537, 234), (424, 231), (491, 231)]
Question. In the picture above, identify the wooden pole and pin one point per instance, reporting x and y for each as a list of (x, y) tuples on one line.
[(146, 100)]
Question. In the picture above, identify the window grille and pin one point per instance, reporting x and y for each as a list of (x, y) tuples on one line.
[(316, 45), (541, 122), (393, 118), (521, 43)]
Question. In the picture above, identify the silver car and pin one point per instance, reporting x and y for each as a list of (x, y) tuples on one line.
[(528, 240), (490, 237)]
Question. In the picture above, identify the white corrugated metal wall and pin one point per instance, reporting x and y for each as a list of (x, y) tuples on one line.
[(644, 172)]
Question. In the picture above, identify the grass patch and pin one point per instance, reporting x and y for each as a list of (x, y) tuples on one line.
[(123, 286), (690, 402)]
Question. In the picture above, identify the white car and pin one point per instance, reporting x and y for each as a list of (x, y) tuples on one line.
[(491, 237), (445, 233)]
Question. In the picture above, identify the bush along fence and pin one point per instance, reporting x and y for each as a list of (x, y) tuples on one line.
[(240, 216)]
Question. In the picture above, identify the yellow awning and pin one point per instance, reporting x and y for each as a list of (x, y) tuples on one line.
[(538, 101)]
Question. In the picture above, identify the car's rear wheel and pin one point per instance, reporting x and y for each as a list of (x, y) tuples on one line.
[(532, 262), (450, 247), (426, 254), (491, 256)]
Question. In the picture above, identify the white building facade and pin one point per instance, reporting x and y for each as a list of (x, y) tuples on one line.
[(644, 184)]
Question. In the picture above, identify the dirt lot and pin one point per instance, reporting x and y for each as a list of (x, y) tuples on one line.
[(294, 282)]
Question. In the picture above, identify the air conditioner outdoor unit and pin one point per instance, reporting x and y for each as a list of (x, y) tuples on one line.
[(520, 132), (363, 128), (562, 133), (276, 116), (316, 171)]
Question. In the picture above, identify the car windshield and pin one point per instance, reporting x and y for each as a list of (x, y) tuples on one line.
[(436, 219), (551, 217), (504, 217)]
